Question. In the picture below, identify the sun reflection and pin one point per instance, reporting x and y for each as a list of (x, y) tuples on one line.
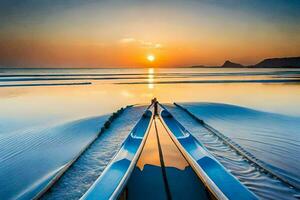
[(150, 78)]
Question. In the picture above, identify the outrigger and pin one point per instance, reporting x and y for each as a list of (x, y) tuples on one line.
[(160, 159)]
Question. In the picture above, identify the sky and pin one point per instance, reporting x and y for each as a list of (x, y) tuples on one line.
[(122, 33)]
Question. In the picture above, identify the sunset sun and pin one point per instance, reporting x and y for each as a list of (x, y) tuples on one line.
[(151, 58)]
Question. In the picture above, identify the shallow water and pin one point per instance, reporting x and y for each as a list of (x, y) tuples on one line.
[(93, 161), (271, 138), (30, 158), (261, 183), (33, 102)]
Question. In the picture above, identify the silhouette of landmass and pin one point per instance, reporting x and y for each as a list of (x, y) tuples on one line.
[(288, 62), (280, 62), (230, 64)]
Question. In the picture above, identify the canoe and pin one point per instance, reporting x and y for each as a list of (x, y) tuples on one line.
[(217, 179), (113, 179), (160, 159)]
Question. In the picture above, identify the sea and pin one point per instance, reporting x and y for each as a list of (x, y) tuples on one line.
[(48, 116)]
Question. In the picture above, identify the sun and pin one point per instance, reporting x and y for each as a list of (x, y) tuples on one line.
[(151, 58)]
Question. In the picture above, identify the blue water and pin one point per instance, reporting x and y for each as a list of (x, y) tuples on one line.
[(271, 138), (264, 185), (93, 161), (32, 157), (44, 112)]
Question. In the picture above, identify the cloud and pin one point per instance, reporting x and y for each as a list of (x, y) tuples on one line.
[(142, 43), (150, 45), (127, 40)]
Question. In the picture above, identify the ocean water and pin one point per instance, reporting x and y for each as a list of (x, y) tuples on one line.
[(269, 137), (263, 180), (32, 157), (89, 166), (44, 112)]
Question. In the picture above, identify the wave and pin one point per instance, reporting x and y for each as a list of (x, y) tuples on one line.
[(272, 139), (31, 158), (192, 74), (67, 78), (44, 84), (213, 81), (82, 174), (262, 183)]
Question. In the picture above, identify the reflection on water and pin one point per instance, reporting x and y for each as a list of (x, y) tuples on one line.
[(27, 108), (47, 104), (150, 78)]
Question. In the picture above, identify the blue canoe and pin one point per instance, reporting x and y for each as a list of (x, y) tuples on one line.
[(217, 179), (160, 159), (113, 179)]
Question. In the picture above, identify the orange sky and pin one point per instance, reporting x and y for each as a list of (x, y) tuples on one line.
[(114, 34)]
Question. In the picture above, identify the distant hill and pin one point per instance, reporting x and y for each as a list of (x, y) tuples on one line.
[(279, 62), (229, 64), (289, 62)]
